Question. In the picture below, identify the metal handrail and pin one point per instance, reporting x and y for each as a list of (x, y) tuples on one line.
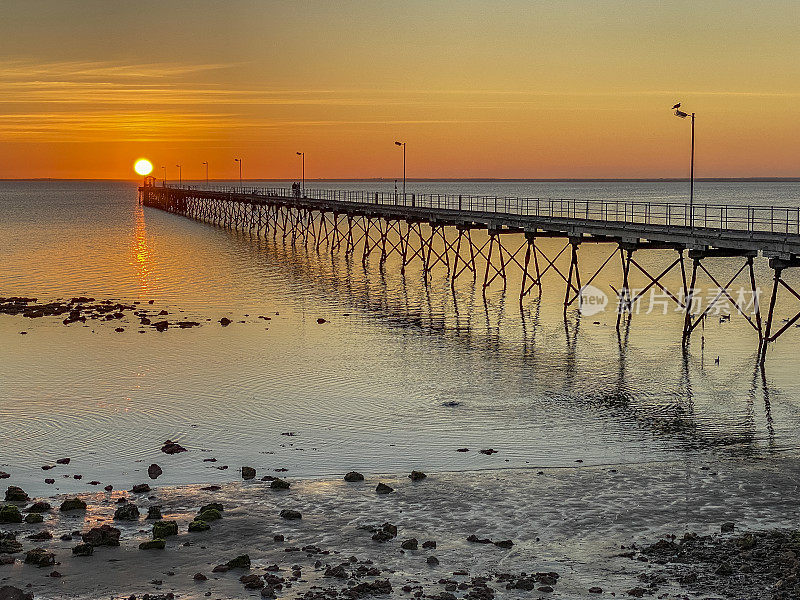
[(724, 217)]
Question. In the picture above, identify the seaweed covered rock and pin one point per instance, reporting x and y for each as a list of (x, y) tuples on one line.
[(382, 488), (417, 476), (288, 513), (248, 473), (140, 488), (72, 504), (10, 514), (199, 525), (9, 592), (279, 484), (154, 544), (240, 562), (40, 557), (212, 505), (9, 543), (162, 529), (208, 515), (33, 518), (154, 513), (39, 507)]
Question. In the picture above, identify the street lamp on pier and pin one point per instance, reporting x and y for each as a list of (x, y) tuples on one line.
[(682, 115), (163, 168), (205, 162), (302, 156), (239, 160), (180, 175), (403, 144)]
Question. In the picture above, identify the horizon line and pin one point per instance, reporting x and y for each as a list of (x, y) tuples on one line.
[(790, 179)]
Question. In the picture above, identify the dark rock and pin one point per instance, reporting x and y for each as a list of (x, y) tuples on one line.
[(251, 582), (162, 529), (321, 321), (372, 588), (278, 538), (240, 562), (105, 535), (429, 545), (9, 592), (595, 590), (41, 536), (40, 557), (212, 506), (354, 476), (248, 473), (417, 475), (83, 550), (63, 461), (154, 471), (209, 514), (154, 513), (39, 507), (433, 561), (171, 447), (154, 544), (506, 544), (339, 571), (33, 518), (127, 512), (161, 325), (55, 574), (72, 504), (10, 514), (9, 543), (279, 484), (727, 527), (636, 592), (225, 321), (200, 577), (476, 540), (462, 450), (16, 494), (290, 514), (49, 481), (489, 451), (4, 475), (382, 488), (140, 488), (410, 544)]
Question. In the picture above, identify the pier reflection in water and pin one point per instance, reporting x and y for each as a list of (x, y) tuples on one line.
[(368, 389)]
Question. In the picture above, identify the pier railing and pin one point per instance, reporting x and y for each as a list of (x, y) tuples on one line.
[(749, 218)]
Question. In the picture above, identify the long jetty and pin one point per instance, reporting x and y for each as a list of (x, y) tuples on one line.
[(436, 230)]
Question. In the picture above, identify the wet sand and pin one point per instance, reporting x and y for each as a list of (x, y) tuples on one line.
[(572, 521)]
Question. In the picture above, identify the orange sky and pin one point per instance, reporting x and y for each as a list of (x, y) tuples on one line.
[(477, 89)]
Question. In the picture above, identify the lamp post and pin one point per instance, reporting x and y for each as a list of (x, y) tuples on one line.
[(163, 168), (302, 156), (239, 160), (180, 175), (205, 162), (403, 144), (680, 114)]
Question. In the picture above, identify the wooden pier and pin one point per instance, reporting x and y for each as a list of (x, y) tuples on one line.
[(435, 230)]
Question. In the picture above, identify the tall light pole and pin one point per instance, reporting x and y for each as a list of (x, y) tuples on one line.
[(163, 168), (205, 162), (403, 144), (679, 113), (239, 160), (180, 175), (302, 156)]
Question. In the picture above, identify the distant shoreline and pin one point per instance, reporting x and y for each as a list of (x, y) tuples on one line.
[(474, 180)]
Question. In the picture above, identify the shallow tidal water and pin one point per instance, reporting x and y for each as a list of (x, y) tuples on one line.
[(371, 389)]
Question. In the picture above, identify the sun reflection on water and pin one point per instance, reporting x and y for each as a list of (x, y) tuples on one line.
[(142, 258)]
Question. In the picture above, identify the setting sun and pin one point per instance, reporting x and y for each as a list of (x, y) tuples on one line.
[(143, 166)]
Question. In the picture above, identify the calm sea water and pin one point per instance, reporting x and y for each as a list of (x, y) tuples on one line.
[(369, 389)]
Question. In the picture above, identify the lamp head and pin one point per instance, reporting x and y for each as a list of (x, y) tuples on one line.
[(398, 143), (299, 154), (680, 113)]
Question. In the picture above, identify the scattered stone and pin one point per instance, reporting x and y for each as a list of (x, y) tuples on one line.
[(208, 515), (154, 513), (240, 562), (40, 557), (385, 533), (506, 544), (49, 481), (9, 592), (248, 473), (55, 574), (162, 529), (251, 582), (429, 545), (127, 512), (727, 527), (476, 540), (462, 450), (321, 321), (595, 590), (9, 543), (410, 544), (83, 550), (16, 494), (154, 544), (154, 471), (200, 577), (212, 506), (4, 475), (171, 447), (279, 484), (382, 488), (41, 536), (33, 518), (432, 561), (140, 488), (290, 514), (105, 535), (354, 476), (417, 476), (489, 451), (225, 321)]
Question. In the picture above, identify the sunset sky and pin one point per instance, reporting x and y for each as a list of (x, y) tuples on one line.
[(477, 89)]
